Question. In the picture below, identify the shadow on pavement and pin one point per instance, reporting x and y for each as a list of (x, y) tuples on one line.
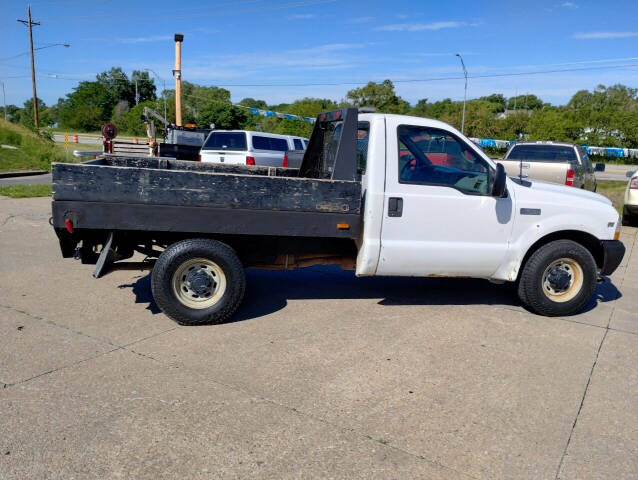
[(142, 291), (268, 291)]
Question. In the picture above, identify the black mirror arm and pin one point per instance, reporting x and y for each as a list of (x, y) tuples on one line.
[(500, 180)]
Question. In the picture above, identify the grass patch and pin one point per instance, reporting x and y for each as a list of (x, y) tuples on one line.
[(614, 191), (32, 151), (25, 191)]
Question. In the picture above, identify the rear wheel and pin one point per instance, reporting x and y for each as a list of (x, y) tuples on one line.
[(198, 281), (558, 279)]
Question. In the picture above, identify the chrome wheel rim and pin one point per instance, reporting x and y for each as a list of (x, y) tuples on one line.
[(198, 283), (562, 280)]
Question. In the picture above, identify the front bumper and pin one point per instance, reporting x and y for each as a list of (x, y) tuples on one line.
[(613, 251)]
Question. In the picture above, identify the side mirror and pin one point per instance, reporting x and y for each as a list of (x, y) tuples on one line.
[(600, 167), (498, 187)]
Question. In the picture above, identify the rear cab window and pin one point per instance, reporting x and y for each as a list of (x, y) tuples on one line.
[(270, 143), (298, 144), (363, 136), (225, 141), (543, 153)]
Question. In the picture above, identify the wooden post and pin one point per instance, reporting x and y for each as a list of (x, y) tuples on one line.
[(179, 38)]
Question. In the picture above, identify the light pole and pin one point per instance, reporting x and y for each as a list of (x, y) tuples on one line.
[(163, 88), (66, 45), (465, 94)]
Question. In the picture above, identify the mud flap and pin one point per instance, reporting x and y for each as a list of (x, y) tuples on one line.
[(106, 258)]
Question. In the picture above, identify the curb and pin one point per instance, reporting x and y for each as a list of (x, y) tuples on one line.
[(23, 173)]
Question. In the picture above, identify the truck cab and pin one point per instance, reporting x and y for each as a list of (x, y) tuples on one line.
[(425, 217)]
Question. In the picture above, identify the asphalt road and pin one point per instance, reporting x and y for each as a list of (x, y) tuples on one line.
[(27, 180), (320, 375)]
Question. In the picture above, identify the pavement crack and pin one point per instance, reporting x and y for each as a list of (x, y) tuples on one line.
[(582, 400), (62, 367), (64, 327), (4, 222)]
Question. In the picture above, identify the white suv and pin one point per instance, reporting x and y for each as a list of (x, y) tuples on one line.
[(249, 148)]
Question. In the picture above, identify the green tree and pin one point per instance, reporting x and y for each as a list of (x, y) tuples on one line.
[(224, 115), (381, 96), (145, 86), (498, 99), (194, 98), (525, 102), (44, 114), (88, 107), (252, 103)]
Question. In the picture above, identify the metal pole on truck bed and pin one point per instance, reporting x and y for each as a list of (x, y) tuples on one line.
[(179, 38)]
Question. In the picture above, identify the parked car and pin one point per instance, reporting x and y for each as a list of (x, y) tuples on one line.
[(355, 203), (246, 147), (554, 162), (630, 210)]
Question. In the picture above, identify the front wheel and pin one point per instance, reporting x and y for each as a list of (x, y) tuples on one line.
[(198, 281), (558, 279)]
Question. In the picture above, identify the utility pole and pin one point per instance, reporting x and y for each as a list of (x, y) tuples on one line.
[(179, 38), (465, 94), (29, 23), (137, 96)]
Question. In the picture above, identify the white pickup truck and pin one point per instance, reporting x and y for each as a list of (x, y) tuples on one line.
[(380, 194)]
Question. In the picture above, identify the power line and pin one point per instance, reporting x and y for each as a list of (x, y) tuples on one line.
[(430, 79)]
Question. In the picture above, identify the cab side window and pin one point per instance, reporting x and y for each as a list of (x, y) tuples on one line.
[(429, 156)]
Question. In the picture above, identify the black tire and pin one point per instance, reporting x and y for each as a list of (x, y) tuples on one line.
[(531, 289), (178, 255)]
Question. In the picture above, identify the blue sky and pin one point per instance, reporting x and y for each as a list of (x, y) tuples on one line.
[(244, 43)]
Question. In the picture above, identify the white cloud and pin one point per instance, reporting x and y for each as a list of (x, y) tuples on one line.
[(568, 5), (151, 38), (416, 27), (604, 35)]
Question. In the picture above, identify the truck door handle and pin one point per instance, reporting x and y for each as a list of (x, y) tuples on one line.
[(395, 207)]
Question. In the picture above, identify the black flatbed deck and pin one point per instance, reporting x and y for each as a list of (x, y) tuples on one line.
[(165, 195)]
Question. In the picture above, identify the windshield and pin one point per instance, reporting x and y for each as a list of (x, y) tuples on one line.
[(225, 141), (542, 153)]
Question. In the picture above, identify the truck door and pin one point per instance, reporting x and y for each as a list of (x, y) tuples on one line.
[(439, 217)]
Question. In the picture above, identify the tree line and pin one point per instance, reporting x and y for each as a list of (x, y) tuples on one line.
[(605, 116)]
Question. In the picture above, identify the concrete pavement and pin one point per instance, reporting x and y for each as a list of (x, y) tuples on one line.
[(320, 375)]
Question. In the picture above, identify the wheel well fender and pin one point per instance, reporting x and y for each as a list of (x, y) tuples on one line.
[(585, 239)]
